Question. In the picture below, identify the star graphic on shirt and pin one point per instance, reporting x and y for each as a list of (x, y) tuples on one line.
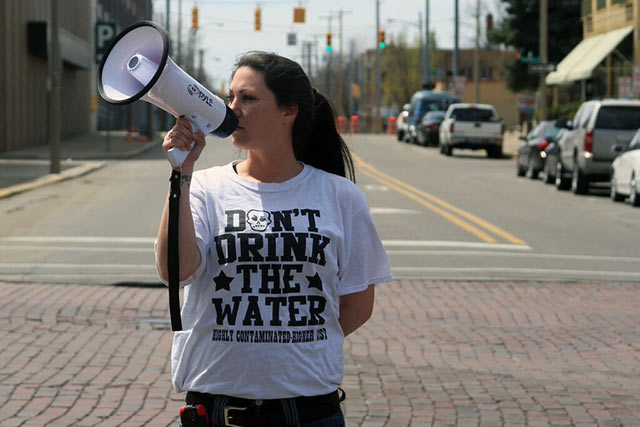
[(222, 281), (315, 282)]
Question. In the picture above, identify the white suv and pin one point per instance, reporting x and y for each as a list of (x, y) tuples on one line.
[(596, 130)]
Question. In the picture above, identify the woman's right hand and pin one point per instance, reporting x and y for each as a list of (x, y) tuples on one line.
[(181, 136)]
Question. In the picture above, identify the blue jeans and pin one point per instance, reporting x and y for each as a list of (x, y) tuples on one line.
[(335, 420)]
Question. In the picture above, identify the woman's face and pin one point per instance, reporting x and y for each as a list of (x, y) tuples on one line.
[(260, 121)]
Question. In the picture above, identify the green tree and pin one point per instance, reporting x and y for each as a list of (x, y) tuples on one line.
[(402, 69), (520, 29)]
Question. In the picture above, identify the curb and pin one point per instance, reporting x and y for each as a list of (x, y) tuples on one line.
[(71, 173), (51, 178)]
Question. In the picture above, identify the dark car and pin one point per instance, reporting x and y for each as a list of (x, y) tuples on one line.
[(422, 102), (529, 161), (551, 156), (428, 130)]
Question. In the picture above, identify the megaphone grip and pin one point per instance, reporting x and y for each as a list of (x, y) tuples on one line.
[(198, 124)]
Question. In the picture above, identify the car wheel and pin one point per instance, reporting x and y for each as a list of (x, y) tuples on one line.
[(634, 194), (579, 181), (562, 183), (532, 172), (615, 196)]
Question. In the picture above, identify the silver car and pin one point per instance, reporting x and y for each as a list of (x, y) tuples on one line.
[(598, 127), (625, 173)]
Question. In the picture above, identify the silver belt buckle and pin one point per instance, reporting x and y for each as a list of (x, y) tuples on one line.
[(227, 417)]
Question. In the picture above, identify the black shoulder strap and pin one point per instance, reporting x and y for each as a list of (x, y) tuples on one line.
[(173, 262)]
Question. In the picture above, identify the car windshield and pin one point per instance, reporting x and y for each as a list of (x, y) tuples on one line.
[(432, 104), (614, 117), (434, 115), (550, 131), (472, 114)]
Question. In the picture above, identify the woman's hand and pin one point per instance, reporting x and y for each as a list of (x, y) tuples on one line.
[(181, 136)]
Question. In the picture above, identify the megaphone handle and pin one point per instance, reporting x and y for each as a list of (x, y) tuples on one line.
[(198, 124)]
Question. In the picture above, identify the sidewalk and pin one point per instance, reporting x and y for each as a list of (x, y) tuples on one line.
[(26, 169), (435, 353)]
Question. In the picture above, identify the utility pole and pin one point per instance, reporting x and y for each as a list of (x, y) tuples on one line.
[(378, 125), (179, 32), (543, 57), (427, 58), (55, 71), (421, 45), (329, 58), (340, 68), (455, 46), (476, 58)]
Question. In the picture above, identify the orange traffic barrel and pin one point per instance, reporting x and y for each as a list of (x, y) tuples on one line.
[(354, 124), (392, 125), (342, 124)]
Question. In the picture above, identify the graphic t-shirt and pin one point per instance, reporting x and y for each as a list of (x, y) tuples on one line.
[(260, 315)]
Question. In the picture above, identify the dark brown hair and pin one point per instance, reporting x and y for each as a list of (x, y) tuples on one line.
[(315, 136)]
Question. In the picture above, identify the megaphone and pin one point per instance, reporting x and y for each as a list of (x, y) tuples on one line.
[(137, 66)]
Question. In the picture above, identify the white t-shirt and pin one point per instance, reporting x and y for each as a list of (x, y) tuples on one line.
[(260, 316)]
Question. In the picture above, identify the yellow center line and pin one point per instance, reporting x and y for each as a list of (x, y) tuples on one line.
[(454, 219), (372, 172)]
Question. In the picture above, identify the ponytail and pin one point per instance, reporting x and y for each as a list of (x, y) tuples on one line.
[(324, 148), (315, 136)]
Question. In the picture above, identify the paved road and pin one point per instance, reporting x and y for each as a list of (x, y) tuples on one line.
[(438, 353)]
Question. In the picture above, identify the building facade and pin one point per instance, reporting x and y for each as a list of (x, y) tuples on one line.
[(24, 67), (602, 64), (492, 84)]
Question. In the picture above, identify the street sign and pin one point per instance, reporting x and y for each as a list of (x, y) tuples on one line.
[(292, 39), (105, 33), (541, 68)]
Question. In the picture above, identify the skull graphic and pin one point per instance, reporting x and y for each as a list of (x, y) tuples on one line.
[(258, 220)]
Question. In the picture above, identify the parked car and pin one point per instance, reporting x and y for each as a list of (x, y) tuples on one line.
[(625, 172), (530, 160), (474, 126), (428, 130), (551, 156), (422, 102), (587, 152), (402, 122)]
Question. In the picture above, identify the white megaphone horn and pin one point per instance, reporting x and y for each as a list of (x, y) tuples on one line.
[(137, 66)]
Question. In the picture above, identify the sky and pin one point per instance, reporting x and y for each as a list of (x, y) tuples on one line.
[(226, 27)]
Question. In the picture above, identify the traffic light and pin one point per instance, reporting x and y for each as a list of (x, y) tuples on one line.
[(194, 18), (329, 47), (258, 22), (381, 42)]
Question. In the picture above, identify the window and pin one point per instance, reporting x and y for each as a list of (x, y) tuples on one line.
[(618, 118), (472, 115), (586, 7), (602, 4), (576, 118), (586, 115), (618, 1)]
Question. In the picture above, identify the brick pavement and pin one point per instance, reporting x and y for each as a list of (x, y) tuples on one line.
[(435, 353)]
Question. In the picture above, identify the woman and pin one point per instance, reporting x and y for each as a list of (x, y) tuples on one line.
[(280, 254)]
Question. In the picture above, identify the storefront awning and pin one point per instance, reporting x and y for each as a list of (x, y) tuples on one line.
[(581, 61)]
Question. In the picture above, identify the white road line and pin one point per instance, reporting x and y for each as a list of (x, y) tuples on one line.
[(514, 255), (385, 211), (634, 274), (78, 266), (77, 239), (112, 249), (451, 244)]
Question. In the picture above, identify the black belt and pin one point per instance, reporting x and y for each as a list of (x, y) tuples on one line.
[(234, 411)]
